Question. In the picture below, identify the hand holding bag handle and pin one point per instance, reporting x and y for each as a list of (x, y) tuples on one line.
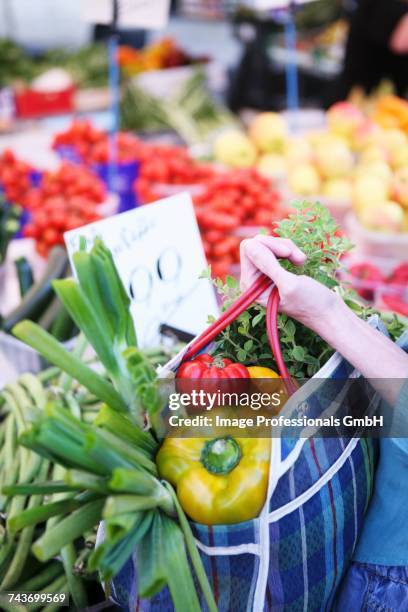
[(242, 303)]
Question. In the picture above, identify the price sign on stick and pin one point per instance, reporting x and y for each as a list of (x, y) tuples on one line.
[(148, 14), (159, 255)]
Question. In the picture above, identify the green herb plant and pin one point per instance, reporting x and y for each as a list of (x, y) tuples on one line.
[(315, 232)]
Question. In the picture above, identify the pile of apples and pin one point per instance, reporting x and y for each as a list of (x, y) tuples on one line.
[(313, 164), (379, 181), (353, 161)]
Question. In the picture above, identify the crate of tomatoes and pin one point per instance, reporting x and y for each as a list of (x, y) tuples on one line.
[(68, 198), (234, 205)]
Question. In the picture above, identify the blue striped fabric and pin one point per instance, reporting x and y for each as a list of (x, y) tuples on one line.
[(309, 548)]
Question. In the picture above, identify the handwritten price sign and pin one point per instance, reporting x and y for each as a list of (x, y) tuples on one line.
[(159, 255)]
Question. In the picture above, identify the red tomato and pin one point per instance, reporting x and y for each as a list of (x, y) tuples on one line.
[(41, 248), (222, 221), (225, 246), (206, 366), (212, 375), (396, 304), (220, 269), (370, 275), (30, 231), (399, 275), (214, 236), (51, 236)]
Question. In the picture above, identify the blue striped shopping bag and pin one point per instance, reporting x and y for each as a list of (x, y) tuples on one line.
[(293, 556)]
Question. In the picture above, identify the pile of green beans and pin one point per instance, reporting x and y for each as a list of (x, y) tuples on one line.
[(19, 403)]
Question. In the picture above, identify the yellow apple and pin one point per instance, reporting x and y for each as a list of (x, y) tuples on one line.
[(298, 150), (400, 186), (377, 168), (344, 118), (272, 165), (369, 190), (333, 158), (315, 137), (268, 132), (392, 139), (304, 179), (399, 157), (338, 189), (374, 153), (385, 217), (365, 135), (233, 148)]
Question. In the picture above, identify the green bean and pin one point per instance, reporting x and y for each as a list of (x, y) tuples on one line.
[(10, 473), (10, 442), (5, 552), (24, 543), (48, 374), (2, 433), (11, 607), (15, 399), (80, 565), (65, 380), (41, 579), (52, 607), (57, 586), (72, 405), (31, 467), (34, 388), (75, 584), (9, 477)]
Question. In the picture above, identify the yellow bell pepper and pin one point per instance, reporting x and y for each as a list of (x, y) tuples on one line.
[(218, 480), (261, 372), (265, 384)]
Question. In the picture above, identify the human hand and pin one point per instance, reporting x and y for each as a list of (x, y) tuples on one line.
[(301, 297), (320, 309)]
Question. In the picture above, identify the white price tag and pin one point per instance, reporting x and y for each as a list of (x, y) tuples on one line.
[(159, 255), (147, 14)]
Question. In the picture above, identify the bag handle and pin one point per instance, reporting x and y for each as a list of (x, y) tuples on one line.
[(246, 299)]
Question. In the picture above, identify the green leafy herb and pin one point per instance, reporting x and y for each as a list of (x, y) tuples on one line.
[(313, 229)]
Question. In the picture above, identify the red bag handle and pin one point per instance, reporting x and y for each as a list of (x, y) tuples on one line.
[(246, 299)]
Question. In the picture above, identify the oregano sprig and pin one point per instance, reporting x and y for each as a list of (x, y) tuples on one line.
[(314, 230)]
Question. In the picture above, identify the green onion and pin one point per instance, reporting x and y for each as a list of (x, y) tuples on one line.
[(122, 426), (121, 504), (44, 488), (109, 557), (51, 349), (133, 481), (32, 516), (161, 560), (193, 552), (83, 480), (70, 528)]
